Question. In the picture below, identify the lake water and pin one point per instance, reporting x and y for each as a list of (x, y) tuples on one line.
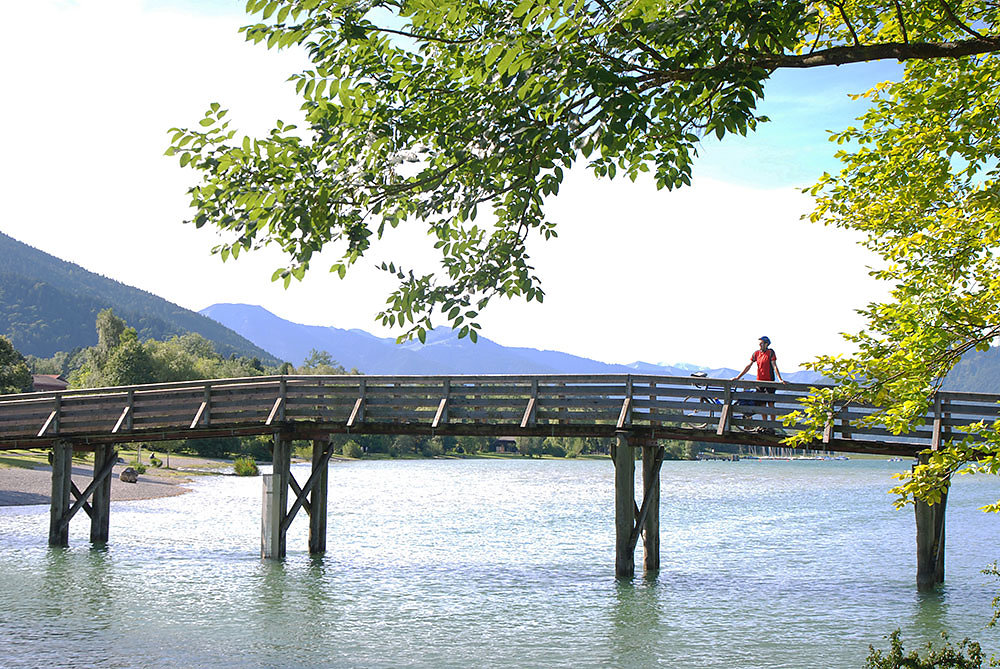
[(501, 563)]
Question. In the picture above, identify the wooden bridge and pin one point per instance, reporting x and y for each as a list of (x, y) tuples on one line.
[(637, 410)]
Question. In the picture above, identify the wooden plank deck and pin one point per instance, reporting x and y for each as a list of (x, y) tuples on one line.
[(312, 407)]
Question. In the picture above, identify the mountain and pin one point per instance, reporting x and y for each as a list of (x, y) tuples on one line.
[(49, 305), (442, 353)]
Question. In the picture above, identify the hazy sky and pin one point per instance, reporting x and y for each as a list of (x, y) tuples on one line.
[(636, 274)]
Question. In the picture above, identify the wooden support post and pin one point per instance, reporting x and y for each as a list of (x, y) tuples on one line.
[(930, 540), (275, 501), (624, 506), (62, 479), (651, 461), (100, 517), (318, 498)]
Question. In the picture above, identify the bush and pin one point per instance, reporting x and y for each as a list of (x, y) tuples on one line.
[(245, 466), (432, 448), (552, 446), (352, 449), (215, 447), (155, 461), (965, 655), (139, 468)]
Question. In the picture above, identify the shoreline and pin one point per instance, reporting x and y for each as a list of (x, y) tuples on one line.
[(32, 485)]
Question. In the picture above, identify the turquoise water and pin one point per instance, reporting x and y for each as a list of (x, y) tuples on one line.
[(509, 563)]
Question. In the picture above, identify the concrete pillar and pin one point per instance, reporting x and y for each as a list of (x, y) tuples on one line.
[(318, 499), (100, 519), (624, 461), (651, 489), (62, 473)]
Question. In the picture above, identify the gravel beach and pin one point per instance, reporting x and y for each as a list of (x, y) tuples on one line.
[(20, 486)]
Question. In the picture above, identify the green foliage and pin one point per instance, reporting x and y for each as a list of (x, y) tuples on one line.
[(245, 466), (921, 184), (965, 655), (63, 363), (995, 618), (404, 444), (321, 362), (471, 445), (683, 450), (431, 448), (352, 449), (430, 113), (14, 374), (119, 358), (139, 467), (257, 448), (553, 446), (530, 446)]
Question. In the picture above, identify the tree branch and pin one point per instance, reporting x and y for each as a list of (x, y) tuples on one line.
[(842, 55), (847, 22), (902, 23), (958, 22), (657, 56), (429, 38)]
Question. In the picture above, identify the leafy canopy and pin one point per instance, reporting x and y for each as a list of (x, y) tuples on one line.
[(15, 377), (921, 182), (433, 112), (121, 359)]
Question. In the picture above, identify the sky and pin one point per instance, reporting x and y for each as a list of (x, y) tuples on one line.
[(694, 276)]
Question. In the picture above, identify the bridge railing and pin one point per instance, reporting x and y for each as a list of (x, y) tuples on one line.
[(508, 403)]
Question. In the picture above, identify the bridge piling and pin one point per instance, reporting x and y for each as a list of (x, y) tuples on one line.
[(318, 498), (624, 460), (652, 458), (62, 481), (930, 541), (275, 501), (100, 515)]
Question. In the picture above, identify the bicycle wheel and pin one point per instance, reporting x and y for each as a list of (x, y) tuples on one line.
[(698, 416)]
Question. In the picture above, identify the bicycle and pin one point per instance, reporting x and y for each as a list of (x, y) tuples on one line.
[(707, 409)]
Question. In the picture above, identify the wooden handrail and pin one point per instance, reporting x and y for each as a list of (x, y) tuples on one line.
[(565, 404)]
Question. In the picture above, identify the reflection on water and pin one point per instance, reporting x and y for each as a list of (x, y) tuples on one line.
[(500, 563)]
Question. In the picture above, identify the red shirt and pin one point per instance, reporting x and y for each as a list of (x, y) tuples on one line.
[(764, 360)]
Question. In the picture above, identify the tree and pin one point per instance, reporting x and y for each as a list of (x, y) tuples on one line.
[(14, 374), (922, 183), (120, 358), (128, 363), (430, 112), (321, 362)]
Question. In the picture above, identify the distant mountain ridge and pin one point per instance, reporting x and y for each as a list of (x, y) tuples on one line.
[(49, 305), (442, 353)]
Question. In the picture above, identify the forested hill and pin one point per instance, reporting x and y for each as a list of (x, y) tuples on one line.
[(977, 372), (49, 305)]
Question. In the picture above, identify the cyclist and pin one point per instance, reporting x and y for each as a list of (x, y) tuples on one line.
[(767, 368)]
